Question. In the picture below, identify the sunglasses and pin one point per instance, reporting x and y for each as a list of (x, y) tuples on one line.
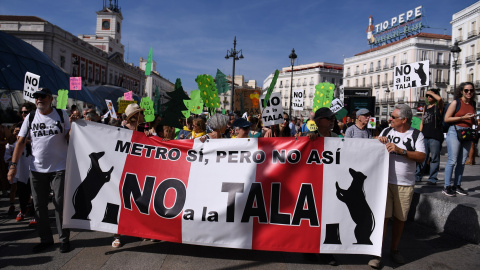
[(468, 90), (394, 117), (25, 112), (429, 96), (42, 96)]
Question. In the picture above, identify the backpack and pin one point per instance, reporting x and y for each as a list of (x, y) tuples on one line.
[(445, 125), (31, 116), (415, 134)]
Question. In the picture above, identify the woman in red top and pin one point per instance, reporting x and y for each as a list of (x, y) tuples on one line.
[(457, 150)]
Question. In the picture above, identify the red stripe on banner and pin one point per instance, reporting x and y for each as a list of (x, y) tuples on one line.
[(295, 188), (161, 188)]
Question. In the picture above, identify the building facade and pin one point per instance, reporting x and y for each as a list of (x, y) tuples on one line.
[(98, 59), (305, 77), (373, 70), (465, 31)]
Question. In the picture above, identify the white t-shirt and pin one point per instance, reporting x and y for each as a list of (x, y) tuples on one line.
[(402, 169), (49, 146)]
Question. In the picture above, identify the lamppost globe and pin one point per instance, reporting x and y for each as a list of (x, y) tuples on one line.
[(292, 57)]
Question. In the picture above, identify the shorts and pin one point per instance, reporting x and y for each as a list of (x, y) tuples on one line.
[(399, 199)]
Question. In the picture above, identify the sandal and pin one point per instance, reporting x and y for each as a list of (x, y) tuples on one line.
[(116, 242)]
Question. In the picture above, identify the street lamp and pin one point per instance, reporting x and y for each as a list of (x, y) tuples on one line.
[(233, 53), (388, 95), (292, 57), (455, 52)]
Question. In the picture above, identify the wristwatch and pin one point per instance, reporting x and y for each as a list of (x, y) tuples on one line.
[(13, 164), (404, 152)]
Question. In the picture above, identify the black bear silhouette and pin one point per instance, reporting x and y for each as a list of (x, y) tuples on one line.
[(362, 215), (89, 188), (408, 144), (421, 74)]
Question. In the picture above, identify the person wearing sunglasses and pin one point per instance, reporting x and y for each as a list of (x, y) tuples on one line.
[(324, 119), (49, 130), (464, 118), (432, 129)]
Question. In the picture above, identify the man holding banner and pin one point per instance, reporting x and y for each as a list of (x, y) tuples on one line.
[(49, 133), (406, 148)]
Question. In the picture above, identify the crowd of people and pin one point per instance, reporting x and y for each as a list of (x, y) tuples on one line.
[(36, 150)]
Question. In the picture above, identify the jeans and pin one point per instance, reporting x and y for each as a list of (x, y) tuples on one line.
[(433, 148), (41, 184), (457, 155)]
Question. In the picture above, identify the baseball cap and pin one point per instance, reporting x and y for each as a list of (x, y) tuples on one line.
[(241, 122), (362, 112), (323, 112), (43, 91)]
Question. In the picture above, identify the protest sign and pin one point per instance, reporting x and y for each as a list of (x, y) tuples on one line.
[(149, 113), (4, 101), (412, 75), (62, 99), (30, 86), (75, 83), (122, 105), (116, 181), (372, 123), (247, 100), (111, 109), (273, 113), (297, 101), (128, 95)]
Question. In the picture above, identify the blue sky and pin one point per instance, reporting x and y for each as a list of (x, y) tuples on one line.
[(191, 37)]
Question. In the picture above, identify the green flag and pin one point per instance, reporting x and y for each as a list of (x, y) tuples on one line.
[(148, 68), (270, 89), (62, 99)]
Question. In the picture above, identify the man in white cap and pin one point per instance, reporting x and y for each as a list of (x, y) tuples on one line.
[(49, 130), (360, 130)]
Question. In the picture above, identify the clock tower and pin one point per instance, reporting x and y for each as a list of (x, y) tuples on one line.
[(109, 27)]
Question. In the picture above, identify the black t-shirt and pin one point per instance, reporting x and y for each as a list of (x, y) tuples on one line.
[(432, 124)]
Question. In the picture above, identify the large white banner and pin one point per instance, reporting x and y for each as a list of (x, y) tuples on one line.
[(412, 75), (279, 194)]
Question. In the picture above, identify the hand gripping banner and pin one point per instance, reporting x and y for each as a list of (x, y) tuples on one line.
[(278, 194)]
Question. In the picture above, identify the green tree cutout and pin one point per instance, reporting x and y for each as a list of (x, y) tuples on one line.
[(62, 99), (195, 104), (175, 106), (270, 88), (208, 91), (221, 82), (323, 95), (147, 104)]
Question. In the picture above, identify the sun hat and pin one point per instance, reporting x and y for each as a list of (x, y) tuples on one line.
[(132, 109)]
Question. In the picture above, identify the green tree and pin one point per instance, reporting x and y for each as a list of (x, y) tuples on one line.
[(175, 106)]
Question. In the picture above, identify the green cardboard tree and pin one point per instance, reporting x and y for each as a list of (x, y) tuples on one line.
[(221, 82), (323, 95), (149, 113), (195, 104), (208, 92), (62, 99), (175, 106), (270, 88)]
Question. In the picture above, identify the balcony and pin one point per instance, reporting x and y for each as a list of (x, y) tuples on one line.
[(357, 72), (376, 85), (441, 81), (281, 86), (469, 59), (378, 68), (364, 71), (404, 61), (459, 39), (390, 82), (311, 83), (348, 73), (298, 85), (369, 85), (384, 83), (393, 64), (385, 67), (304, 84), (472, 33), (310, 95), (441, 63), (370, 70)]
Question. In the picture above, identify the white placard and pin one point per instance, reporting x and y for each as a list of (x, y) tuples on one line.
[(273, 113), (297, 101), (412, 75), (30, 86), (111, 109), (372, 123), (336, 105)]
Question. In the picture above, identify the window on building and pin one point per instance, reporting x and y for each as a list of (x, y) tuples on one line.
[(103, 77), (110, 79), (386, 62), (394, 61), (281, 83), (82, 70), (439, 75), (348, 83), (459, 34), (90, 73), (379, 63), (348, 71), (470, 75), (333, 80), (357, 69), (356, 82), (62, 61), (440, 58), (364, 68), (371, 66), (325, 79), (97, 75), (405, 57), (472, 50), (363, 82)]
